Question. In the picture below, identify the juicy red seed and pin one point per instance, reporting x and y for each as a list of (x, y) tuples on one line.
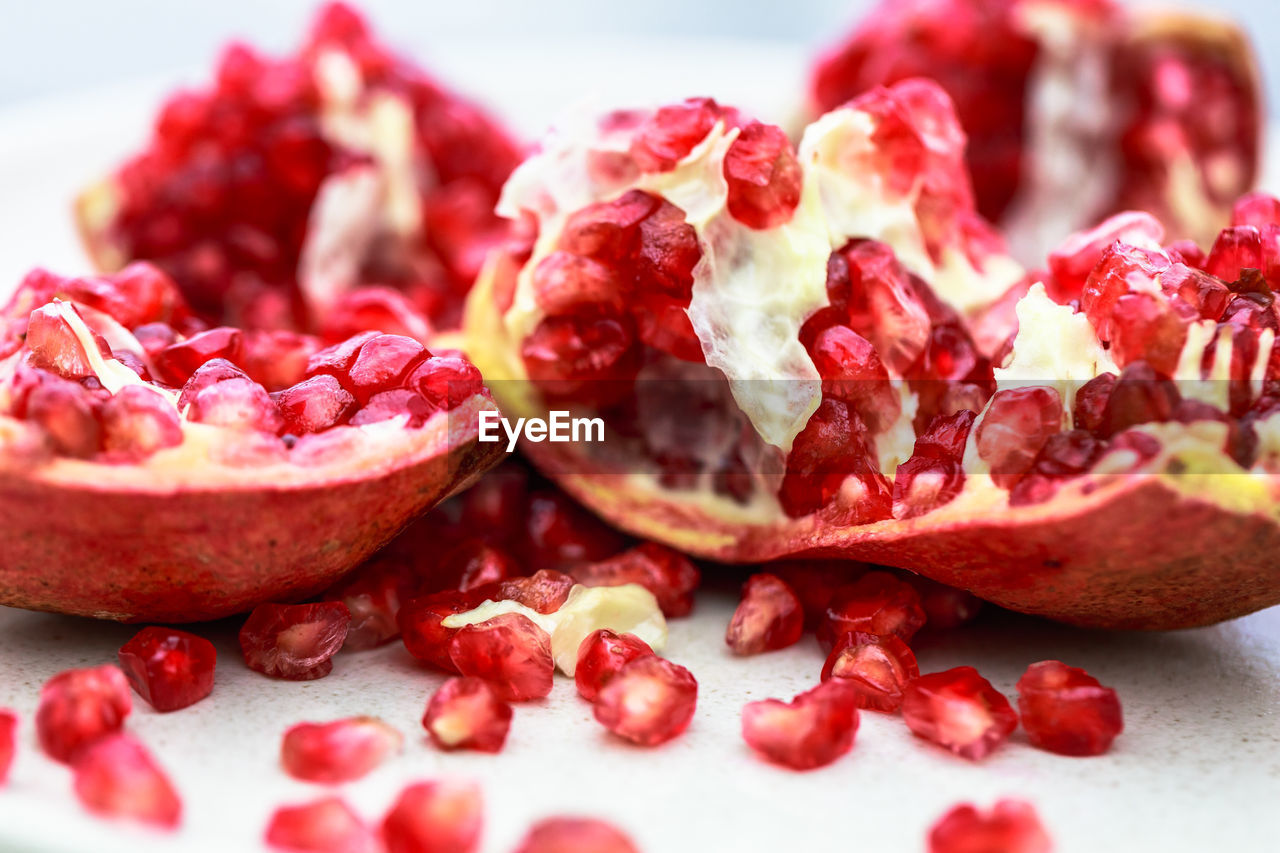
[(607, 231), (575, 835), (1011, 826), (831, 450), (648, 702), (1065, 710), (68, 414), (445, 381), (924, 483), (1091, 402), (340, 751), (667, 136), (812, 730), (117, 777), (1071, 263), (400, 403), (53, 346), (314, 404), (669, 575), (958, 709), (373, 595), (382, 363), (668, 251), (169, 668), (374, 309), (1017, 423), (1257, 209), (876, 603), (420, 620), (768, 617), (137, 422), (1237, 248), (508, 651), (578, 355), (945, 606), (79, 706), (208, 374), (327, 825), (175, 363), (467, 713), (601, 655), (563, 281), (561, 534), (1140, 396), (852, 371), (8, 739), (876, 668), (238, 403), (434, 817), (294, 641), (544, 591), (473, 563), (337, 360), (763, 175), (814, 582)]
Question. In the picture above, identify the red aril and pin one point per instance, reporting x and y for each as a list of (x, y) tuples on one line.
[(665, 572), (116, 776), (80, 706), (467, 713), (763, 175), (670, 133), (958, 710), (876, 668), (575, 835), (1010, 826), (508, 651), (373, 595), (294, 641), (648, 701), (169, 668), (876, 603), (812, 730), (768, 617), (544, 591), (8, 742), (327, 825), (601, 656), (559, 534), (434, 817), (1065, 710), (340, 751), (473, 563), (420, 621)]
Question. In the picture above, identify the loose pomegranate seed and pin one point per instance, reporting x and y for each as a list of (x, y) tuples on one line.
[(473, 563), (575, 835), (876, 603), (169, 668), (602, 654), (79, 706), (420, 623), (322, 826), (508, 651), (667, 136), (314, 405), (763, 175), (434, 817), (876, 668), (136, 422), (559, 534), (814, 582), (768, 617), (945, 606), (648, 702), (665, 572), (544, 591), (467, 713), (960, 710), (1011, 826), (8, 739), (1065, 710), (340, 751), (294, 641), (116, 776), (373, 596), (812, 730)]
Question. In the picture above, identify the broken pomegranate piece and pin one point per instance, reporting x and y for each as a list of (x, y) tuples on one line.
[(326, 825), (80, 706), (467, 713), (273, 192), (877, 603), (575, 835), (508, 651), (1011, 826), (600, 657), (116, 776), (1065, 710), (434, 817), (648, 701), (340, 751), (958, 709), (768, 617), (812, 730), (169, 668), (876, 668), (8, 742), (294, 641)]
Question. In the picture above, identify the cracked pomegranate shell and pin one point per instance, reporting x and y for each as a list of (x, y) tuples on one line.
[(169, 457), (1073, 111), (277, 189), (865, 373)]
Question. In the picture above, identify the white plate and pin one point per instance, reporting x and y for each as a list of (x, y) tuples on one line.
[(1198, 767)]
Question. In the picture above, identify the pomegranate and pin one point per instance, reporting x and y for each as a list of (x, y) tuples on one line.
[(1011, 826), (80, 706), (812, 730), (911, 396), (510, 652), (326, 825), (768, 617), (1076, 111), (876, 668), (648, 701), (273, 192), (116, 776), (340, 751), (467, 713), (8, 741), (435, 817), (575, 835), (1066, 710), (311, 481), (169, 668), (600, 657), (294, 641), (959, 710)]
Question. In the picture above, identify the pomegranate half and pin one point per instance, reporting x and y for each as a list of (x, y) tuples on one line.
[(813, 352), (153, 469)]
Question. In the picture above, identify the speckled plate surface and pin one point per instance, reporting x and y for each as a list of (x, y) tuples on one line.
[(1198, 767)]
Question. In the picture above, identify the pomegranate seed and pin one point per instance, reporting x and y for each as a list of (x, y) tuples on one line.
[(563, 281), (327, 825), (763, 175), (420, 623), (1065, 710), (1011, 826), (8, 740), (648, 702), (544, 591), (1140, 396), (768, 617), (294, 641), (340, 751), (467, 713), (434, 817), (876, 668), (175, 363), (575, 835), (830, 449), (667, 136), (337, 359), (376, 309), (169, 668), (602, 654), (314, 404), (814, 582), (579, 355), (945, 606), (876, 603), (382, 363), (560, 534), (812, 730), (665, 572), (852, 371), (667, 253), (510, 652), (1257, 209), (445, 381), (386, 405), (137, 422), (67, 412), (116, 776), (960, 710), (608, 231), (1091, 402), (373, 596), (473, 563), (1017, 423), (1071, 263), (79, 706), (236, 402)]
